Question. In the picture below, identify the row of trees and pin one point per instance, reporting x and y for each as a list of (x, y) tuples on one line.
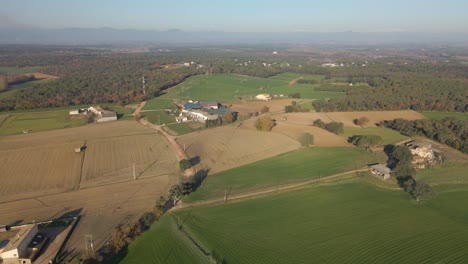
[(404, 172), (334, 127), (449, 131)]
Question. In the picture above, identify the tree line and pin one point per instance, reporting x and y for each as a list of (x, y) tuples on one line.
[(449, 131)]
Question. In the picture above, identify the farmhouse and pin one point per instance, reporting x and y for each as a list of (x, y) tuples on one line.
[(74, 112), (209, 104), (422, 153), (102, 115), (22, 246), (380, 170), (265, 97)]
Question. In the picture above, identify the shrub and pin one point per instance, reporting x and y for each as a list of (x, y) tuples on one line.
[(184, 164), (306, 139), (264, 124)]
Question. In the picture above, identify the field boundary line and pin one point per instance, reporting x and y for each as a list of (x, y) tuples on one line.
[(253, 194)]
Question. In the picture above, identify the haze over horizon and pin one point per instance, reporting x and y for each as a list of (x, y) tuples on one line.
[(241, 16)]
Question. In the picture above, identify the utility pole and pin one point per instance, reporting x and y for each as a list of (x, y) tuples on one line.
[(143, 85), (134, 174), (225, 195)]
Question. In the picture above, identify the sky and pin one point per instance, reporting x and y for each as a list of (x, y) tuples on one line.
[(241, 15)]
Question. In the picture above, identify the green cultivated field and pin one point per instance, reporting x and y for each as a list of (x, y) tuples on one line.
[(180, 128), (38, 121), (345, 222), (158, 117), (19, 70), (227, 87), (389, 136), (445, 174), (442, 115), (304, 164), (158, 103), (163, 243)]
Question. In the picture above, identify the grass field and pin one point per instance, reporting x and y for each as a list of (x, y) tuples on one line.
[(8, 70), (163, 243), (303, 164), (158, 117), (158, 103), (441, 115), (180, 128), (450, 173), (227, 87), (122, 112), (39, 121), (345, 222), (389, 136)]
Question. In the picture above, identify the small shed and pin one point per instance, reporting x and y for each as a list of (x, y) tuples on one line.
[(380, 170), (74, 112)]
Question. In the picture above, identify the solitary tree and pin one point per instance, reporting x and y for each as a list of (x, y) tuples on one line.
[(264, 109), (184, 164), (306, 139), (264, 123), (362, 121)]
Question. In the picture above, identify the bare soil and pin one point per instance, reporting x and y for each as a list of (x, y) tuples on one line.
[(41, 176), (347, 117), (230, 146), (246, 107)]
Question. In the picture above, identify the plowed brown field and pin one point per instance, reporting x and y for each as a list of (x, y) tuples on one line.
[(227, 147)]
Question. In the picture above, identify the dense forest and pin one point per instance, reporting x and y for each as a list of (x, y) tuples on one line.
[(394, 87), (99, 75), (449, 131)]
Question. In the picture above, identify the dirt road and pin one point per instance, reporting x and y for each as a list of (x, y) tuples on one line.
[(247, 195)]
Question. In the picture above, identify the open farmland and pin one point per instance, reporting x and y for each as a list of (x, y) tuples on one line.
[(347, 117), (389, 136), (9, 70), (296, 166), (52, 165), (111, 160), (343, 222), (38, 170), (229, 87), (246, 107), (229, 146), (38, 121), (48, 184), (441, 115), (322, 137)]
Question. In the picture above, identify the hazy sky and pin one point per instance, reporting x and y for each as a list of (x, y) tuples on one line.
[(242, 15)]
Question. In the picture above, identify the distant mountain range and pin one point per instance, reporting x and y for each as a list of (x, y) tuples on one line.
[(82, 36)]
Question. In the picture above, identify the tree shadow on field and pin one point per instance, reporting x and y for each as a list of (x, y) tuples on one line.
[(199, 178), (195, 160), (15, 223)]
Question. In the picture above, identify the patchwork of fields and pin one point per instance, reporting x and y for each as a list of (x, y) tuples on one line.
[(344, 222), (297, 166), (45, 162), (229, 87), (38, 121)]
